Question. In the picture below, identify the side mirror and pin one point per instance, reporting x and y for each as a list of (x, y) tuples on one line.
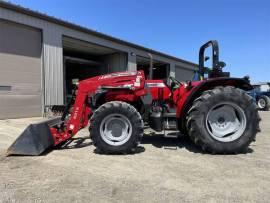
[(206, 58), (221, 64)]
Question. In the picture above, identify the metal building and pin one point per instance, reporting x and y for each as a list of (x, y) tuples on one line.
[(41, 56)]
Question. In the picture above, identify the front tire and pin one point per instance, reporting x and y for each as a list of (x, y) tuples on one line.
[(116, 128), (263, 103), (223, 120)]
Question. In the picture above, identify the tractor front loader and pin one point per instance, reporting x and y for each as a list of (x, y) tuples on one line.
[(215, 112)]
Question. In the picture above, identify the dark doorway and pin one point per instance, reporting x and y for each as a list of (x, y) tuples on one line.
[(161, 70), (77, 69), (84, 60)]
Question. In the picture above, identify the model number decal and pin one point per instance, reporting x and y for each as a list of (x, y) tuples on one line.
[(153, 84)]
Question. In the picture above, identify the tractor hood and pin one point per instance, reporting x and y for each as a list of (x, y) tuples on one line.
[(125, 80)]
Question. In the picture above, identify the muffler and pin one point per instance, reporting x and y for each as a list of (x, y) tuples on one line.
[(35, 139)]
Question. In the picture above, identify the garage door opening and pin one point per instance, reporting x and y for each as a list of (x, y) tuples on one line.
[(84, 60), (161, 70), (77, 69)]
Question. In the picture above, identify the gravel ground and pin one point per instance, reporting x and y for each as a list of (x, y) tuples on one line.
[(164, 169)]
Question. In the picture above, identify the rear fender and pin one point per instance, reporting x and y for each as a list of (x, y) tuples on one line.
[(194, 90)]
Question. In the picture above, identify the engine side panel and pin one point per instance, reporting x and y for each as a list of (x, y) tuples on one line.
[(158, 89)]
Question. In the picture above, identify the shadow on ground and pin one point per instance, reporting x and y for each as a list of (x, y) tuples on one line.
[(176, 143), (170, 143), (156, 140), (75, 143)]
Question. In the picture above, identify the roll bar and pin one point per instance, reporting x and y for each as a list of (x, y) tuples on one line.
[(216, 64), (215, 55)]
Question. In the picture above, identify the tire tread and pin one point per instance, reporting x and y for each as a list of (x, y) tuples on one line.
[(195, 113)]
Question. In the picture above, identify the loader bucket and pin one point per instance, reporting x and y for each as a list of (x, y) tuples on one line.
[(35, 139)]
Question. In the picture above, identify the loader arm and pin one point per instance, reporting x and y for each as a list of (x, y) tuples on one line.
[(36, 138), (129, 84)]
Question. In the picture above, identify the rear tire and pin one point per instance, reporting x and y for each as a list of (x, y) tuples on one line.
[(263, 103), (224, 120), (116, 128)]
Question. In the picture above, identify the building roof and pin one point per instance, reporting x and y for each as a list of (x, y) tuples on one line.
[(55, 20)]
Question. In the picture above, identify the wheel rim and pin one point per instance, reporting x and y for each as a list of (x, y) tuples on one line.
[(261, 103), (226, 122), (115, 129)]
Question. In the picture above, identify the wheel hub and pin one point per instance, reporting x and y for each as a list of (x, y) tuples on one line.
[(226, 122), (115, 129), (221, 120), (261, 103)]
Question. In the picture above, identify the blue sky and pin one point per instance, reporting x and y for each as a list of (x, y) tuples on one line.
[(178, 28)]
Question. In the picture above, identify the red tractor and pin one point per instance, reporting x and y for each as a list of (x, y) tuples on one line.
[(215, 112)]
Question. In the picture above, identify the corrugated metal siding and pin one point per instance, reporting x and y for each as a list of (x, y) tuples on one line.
[(117, 62), (53, 67), (132, 65), (183, 74), (52, 55), (52, 52)]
